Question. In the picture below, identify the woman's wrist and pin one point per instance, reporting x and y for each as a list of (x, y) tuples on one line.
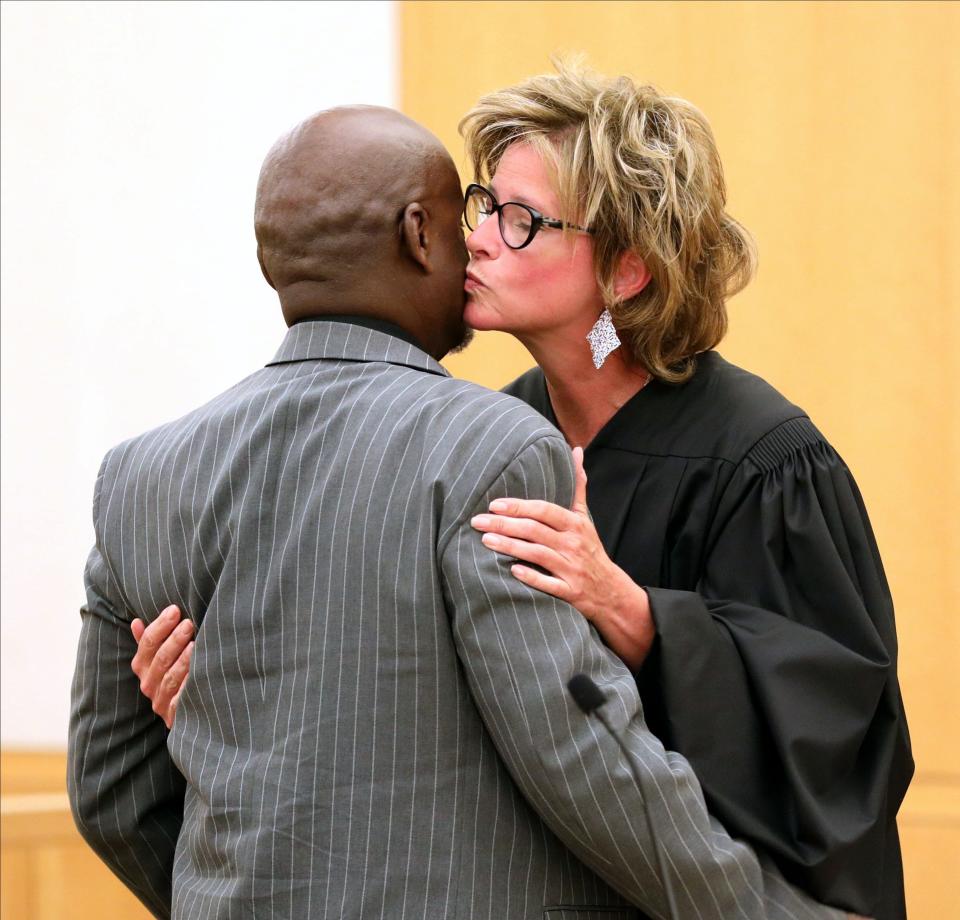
[(627, 624)]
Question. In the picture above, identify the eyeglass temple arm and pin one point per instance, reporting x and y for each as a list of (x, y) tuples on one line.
[(555, 224)]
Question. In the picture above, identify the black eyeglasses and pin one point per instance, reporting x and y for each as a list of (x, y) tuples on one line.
[(519, 223)]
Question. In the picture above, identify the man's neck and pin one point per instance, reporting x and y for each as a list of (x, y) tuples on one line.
[(584, 398), (368, 322)]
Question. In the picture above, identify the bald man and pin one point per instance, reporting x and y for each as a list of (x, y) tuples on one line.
[(376, 722)]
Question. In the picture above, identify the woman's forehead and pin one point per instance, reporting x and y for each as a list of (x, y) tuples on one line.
[(521, 175)]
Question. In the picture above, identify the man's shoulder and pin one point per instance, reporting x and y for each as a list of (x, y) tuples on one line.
[(512, 413), (482, 429), (499, 442), (162, 437), (443, 410)]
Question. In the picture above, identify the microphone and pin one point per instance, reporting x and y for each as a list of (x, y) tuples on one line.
[(586, 694), (590, 698)]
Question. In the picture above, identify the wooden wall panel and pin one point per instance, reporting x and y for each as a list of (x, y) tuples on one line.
[(47, 871), (838, 128)]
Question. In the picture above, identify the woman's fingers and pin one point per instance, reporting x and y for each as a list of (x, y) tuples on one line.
[(535, 553), (546, 583), (569, 544), (171, 686), (545, 512), (580, 492), (150, 638), (165, 657), (520, 528)]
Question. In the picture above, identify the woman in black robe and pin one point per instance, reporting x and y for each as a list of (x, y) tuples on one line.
[(729, 560), (774, 665)]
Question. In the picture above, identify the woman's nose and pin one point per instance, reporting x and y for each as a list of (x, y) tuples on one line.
[(485, 240)]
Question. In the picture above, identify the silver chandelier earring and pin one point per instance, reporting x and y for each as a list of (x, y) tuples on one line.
[(603, 339)]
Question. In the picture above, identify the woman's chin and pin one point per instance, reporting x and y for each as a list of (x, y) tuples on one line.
[(480, 317)]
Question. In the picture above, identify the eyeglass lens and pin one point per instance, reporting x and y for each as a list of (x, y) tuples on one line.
[(516, 222), (477, 208)]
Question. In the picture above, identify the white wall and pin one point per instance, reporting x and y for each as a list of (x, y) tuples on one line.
[(132, 134)]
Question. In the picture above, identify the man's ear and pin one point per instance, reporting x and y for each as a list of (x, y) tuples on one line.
[(632, 276), (263, 267), (414, 234)]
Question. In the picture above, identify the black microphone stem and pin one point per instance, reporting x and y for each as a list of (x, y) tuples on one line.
[(661, 861)]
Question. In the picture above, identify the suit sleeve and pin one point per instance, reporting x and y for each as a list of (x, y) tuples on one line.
[(125, 793), (519, 649)]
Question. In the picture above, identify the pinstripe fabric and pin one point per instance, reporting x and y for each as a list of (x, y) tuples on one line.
[(376, 722)]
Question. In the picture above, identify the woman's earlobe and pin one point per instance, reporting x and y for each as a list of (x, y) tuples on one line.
[(632, 276)]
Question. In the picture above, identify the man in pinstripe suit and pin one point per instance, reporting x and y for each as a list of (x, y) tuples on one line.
[(376, 723)]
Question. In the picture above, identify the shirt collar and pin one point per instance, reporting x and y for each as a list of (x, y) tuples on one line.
[(368, 322), (353, 339)]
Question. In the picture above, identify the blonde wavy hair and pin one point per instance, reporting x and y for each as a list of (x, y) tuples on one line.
[(641, 169)]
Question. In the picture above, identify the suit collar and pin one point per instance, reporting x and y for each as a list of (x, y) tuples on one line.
[(318, 340)]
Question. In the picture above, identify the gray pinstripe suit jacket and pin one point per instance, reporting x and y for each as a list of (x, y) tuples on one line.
[(376, 723)]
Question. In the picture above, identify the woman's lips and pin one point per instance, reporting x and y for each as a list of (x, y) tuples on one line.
[(472, 283)]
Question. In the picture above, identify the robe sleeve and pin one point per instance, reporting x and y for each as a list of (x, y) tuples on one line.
[(778, 674)]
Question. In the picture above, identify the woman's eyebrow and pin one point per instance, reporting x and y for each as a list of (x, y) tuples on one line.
[(519, 197)]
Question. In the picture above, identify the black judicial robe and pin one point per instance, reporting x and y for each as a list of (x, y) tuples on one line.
[(774, 666)]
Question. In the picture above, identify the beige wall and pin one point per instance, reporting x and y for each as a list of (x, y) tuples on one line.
[(837, 123)]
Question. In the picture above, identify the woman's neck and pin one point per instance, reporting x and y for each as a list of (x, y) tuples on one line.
[(583, 397)]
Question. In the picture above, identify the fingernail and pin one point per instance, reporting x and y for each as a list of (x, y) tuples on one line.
[(481, 520), (185, 628), (498, 505), (490, 539)]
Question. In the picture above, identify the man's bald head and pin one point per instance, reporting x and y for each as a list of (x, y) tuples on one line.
[(330, 207)]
